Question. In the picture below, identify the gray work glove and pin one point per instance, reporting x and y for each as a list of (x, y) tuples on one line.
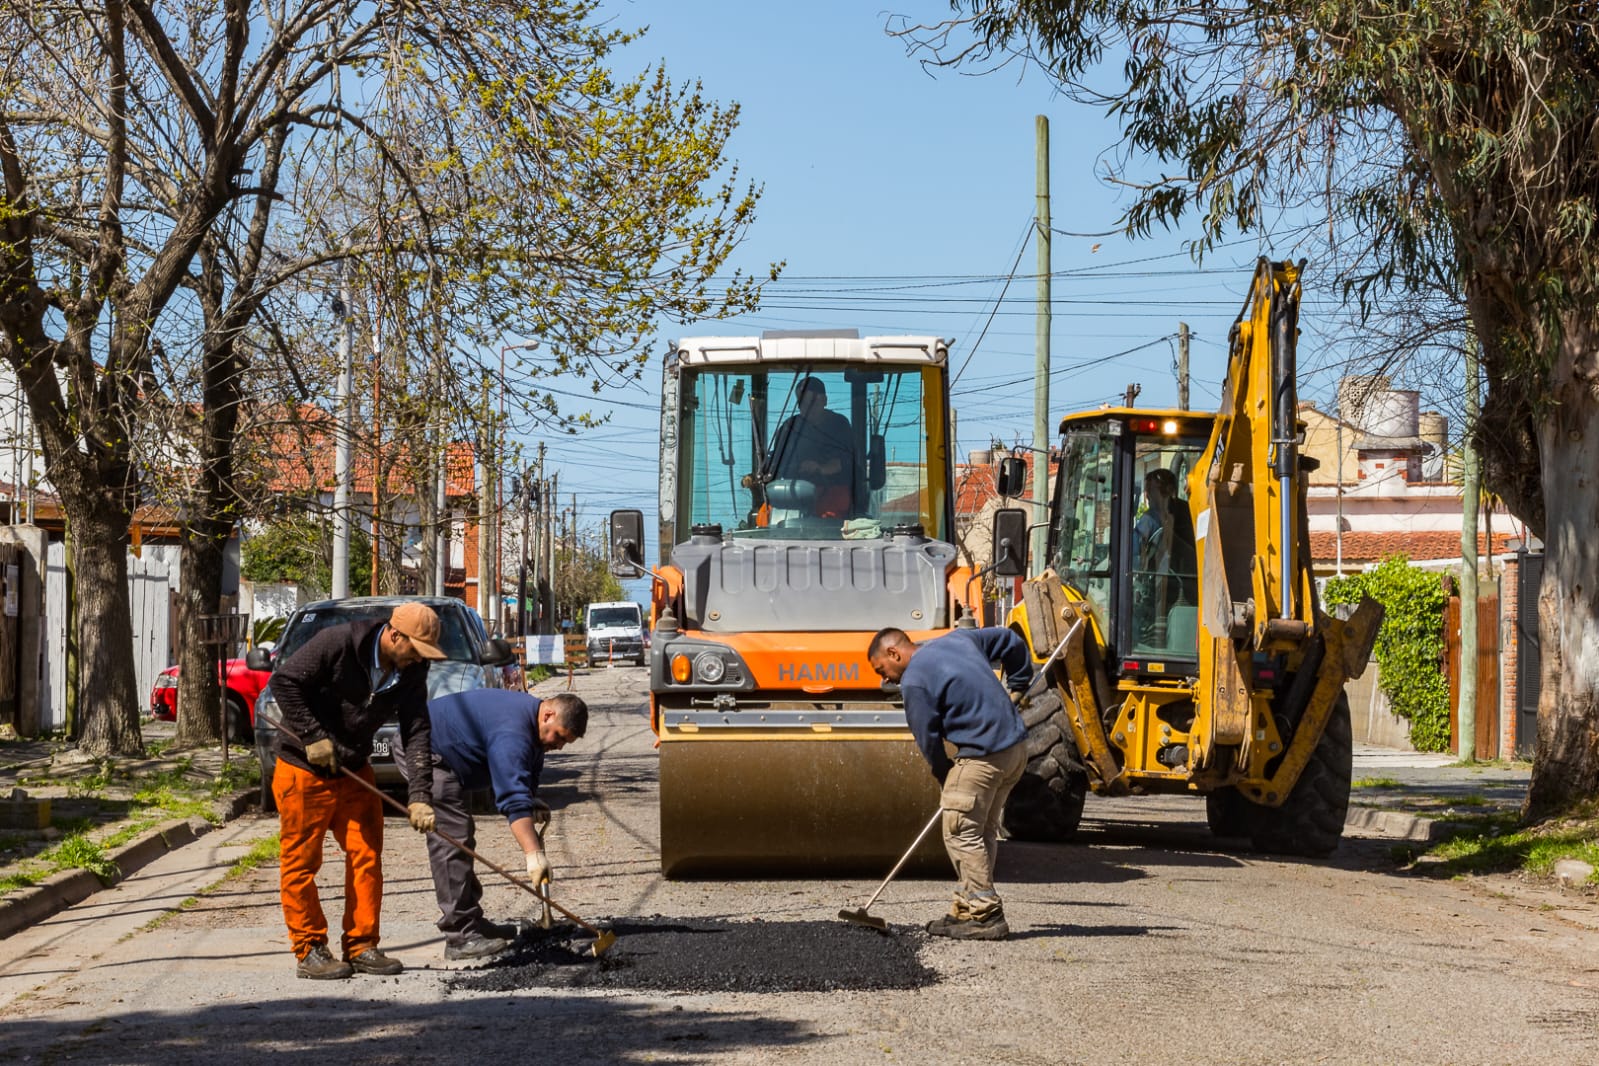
[(422, 819), (538, 870), (320, 753), (540, 814)]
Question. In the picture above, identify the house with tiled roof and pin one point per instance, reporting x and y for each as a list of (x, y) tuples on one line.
[(297, 457)]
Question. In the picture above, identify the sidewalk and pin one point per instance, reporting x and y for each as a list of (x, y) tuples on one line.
[(1407, 795), (129, 811)]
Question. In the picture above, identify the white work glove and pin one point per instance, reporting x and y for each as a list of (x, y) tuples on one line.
[(538, 870), (422, 819)]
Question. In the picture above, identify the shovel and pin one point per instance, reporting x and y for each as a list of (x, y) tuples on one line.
[(603, 938), (860, 917)]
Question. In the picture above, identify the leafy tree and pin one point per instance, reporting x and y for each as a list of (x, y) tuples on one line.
[(1449, 146), (299, 550), (1410, 645)]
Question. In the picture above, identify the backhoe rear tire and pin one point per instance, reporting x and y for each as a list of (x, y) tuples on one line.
[(1311, 820), (1047, 803)]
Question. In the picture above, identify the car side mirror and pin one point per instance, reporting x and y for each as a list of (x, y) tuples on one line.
[(1010, 542), (627, 544), (258, 659), (1012, 476), (497, 652)]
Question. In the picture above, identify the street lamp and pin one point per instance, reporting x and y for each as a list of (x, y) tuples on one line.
[(496, 616)]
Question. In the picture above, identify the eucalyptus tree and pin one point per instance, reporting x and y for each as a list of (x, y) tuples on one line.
[(1451, 144), (151, 152)]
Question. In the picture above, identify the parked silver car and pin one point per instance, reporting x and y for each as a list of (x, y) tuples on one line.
[(472, 660)]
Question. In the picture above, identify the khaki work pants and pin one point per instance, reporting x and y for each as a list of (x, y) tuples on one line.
[(308, 807), (973, 800)]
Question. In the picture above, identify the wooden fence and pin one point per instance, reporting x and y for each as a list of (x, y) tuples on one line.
[(1487, 714)]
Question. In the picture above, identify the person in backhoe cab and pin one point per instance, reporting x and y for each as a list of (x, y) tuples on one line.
[(489, 738), (815, 445), (334, 694), (951, 694)]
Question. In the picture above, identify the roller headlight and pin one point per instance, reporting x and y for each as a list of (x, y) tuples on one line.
[(709, 668)]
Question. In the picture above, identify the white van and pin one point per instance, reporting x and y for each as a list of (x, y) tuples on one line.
[(615, 632)]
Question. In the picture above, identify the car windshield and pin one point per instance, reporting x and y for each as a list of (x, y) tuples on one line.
[(453, 637), (606, 617)]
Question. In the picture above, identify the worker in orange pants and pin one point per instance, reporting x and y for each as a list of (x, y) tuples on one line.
[(311, 806), (333, 694)]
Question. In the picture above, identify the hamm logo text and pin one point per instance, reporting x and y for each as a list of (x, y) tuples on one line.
[(819, 672)]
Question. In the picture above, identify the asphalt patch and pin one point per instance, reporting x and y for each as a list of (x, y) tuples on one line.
[(682, 955)]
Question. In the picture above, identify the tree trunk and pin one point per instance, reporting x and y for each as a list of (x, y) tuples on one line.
[(1566, 769), (199, 694), (109, 707)]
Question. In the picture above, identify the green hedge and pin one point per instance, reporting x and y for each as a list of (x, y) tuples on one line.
[(1410, 644)]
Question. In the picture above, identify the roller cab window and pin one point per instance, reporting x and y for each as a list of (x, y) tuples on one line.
[(811, 452)]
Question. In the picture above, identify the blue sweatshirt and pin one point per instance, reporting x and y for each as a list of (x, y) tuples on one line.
[(490, 737), (951, 694)]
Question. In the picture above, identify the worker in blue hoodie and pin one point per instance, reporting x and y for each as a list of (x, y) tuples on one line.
[(952, 694), (497, 739)]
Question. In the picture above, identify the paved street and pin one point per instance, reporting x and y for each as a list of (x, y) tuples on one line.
[(1145, 942)]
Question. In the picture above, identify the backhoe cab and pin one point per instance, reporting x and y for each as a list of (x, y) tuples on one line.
[(1203, 662)]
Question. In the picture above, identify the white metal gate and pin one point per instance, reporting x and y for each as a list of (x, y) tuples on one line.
[(149, 585)]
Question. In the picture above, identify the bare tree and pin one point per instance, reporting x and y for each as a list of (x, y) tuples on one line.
[(141, 140)]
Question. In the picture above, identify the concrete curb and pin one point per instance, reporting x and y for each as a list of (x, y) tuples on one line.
[(68, 887), (1391, 825)]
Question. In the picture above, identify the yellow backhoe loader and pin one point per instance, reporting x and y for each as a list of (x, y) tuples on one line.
[(1204, 663)]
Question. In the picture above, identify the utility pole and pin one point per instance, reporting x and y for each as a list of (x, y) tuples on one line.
[(485, 507), (1470, 498), (1182, 366), (342, 473), (549, 545), (1130, 396), (1041, 339), (538, 545)]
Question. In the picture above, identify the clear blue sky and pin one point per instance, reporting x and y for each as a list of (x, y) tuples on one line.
[(900, 200)]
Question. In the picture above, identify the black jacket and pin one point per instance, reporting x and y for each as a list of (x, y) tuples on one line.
[(325, 690)]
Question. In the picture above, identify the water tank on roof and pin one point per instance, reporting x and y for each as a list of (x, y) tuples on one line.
[(1392, 415), (1435, 446)]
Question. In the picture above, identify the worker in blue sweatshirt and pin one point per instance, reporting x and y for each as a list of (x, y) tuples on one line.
[(490, 738), (952, 694)]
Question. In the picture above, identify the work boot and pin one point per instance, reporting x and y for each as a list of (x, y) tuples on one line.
[(375, 962), (510, 930), (319, 965), (991, 927), (475, 947)]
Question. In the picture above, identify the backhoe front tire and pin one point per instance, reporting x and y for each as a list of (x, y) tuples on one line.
[(1311, 820), (1227, 812), (1047, 803)]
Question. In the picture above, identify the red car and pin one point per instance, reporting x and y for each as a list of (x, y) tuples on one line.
[(244, 685)]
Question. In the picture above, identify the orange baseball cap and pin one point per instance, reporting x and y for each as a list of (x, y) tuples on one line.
[(420, 623)]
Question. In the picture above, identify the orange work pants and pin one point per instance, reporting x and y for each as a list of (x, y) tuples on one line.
[(309, 806)]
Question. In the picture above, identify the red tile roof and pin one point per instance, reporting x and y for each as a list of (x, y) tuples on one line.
[(299, 454), (1366, 547)]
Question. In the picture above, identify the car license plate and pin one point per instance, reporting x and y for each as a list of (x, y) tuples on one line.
[(380, 746)]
